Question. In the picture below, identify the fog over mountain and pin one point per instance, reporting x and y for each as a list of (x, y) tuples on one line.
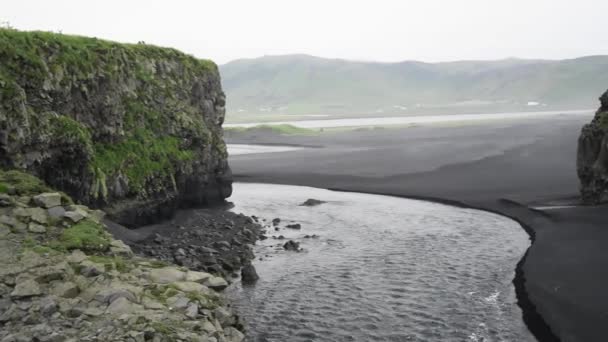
[(303, 84)]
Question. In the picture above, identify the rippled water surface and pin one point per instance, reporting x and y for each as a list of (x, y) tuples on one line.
[(383, 269)]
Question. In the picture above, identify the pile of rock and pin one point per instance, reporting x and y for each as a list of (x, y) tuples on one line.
[(209, 240), (63, 278)]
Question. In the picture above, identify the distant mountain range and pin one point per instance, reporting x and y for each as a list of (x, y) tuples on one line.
[(302, 84)]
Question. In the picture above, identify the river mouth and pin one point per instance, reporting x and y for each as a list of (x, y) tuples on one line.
[(381, 269)]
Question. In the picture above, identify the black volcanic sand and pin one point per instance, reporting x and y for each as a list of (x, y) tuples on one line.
[(211, 240), (511, 167)]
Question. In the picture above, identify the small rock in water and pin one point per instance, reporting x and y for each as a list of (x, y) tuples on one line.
[(311, 202), (249, 274), (294, 226), (291, 246), (276, 221)]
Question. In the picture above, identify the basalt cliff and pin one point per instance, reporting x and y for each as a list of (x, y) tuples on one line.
[(592, 158), (132, 129)]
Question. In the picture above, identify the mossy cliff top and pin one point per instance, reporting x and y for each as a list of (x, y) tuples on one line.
[(133, 128)]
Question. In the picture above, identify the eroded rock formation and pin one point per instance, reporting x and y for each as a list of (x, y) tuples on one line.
[(592, 158), (133, 129)]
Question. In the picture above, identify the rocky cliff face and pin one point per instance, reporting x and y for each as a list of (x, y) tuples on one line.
[(592, 159), (133, 129)]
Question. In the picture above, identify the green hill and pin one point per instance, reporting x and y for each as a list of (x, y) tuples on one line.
[(301, 84)]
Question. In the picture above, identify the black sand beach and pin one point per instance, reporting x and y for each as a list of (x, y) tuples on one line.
[(516, 168)]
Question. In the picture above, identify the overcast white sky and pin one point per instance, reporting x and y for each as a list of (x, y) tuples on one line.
[(380, 30)]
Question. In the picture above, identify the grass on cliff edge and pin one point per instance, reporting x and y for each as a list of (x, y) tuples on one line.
[(22, 52)]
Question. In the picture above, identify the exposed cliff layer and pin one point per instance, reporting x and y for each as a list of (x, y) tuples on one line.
[(133, 129), (592, 159)]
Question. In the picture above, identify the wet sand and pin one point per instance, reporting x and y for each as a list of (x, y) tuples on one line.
[(506, 167)]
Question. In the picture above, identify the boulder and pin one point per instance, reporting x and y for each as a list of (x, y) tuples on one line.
[(122, 305), (38, 215), (56, 212), (109, 295), (93, 312), (216, 283), (6, 200), (48, 306), (65, 289), (249, 274), (151, 304), (224, 317), (311, 202), (233, 335), (76, 257), (192, 311), (166, 275), (197, 277), (27, 288), (91, 269), (291, 246), (178, 302), (48, 200), (23, 214), (190, 286), (294, 226), (36, 228), (13, 223), (119, 248), (52, 273), (76, 215)]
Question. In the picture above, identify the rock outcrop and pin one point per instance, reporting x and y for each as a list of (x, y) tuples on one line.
[(69, 280), (592, 157), (133, 129)]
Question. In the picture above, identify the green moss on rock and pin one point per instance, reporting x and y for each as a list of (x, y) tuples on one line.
[(602, 119), (68, 130), (86, 235), (139, 157), (112, 263), (130, 128), (23, 183)]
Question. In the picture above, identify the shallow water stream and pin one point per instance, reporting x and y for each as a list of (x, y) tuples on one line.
[(382, 269)]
